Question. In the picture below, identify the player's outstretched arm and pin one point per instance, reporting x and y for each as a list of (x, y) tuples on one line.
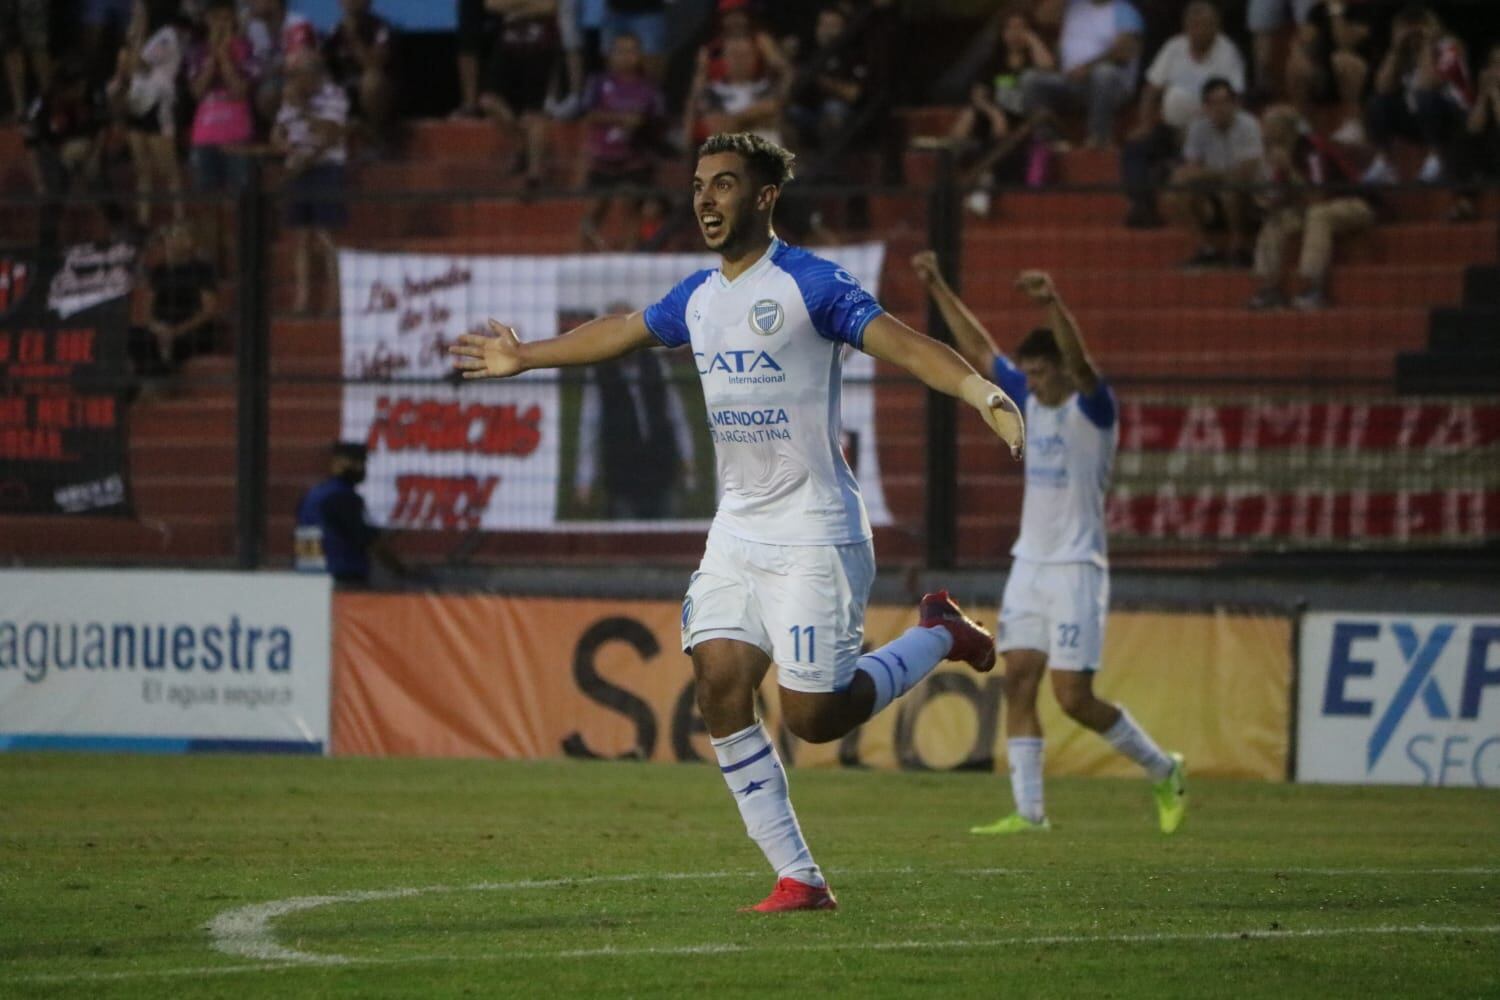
[(501, 354), (939, 367), (1038, 286), (973, 341)]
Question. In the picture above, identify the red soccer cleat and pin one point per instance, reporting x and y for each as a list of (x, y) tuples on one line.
[(790, 894), (972, 643)]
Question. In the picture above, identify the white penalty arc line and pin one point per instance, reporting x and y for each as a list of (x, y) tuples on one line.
[(684, 951), (246, 931)]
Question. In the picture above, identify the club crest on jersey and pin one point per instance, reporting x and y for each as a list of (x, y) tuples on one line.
[(766, 317)]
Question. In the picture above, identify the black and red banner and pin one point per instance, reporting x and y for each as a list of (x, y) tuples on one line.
[(63, 362)]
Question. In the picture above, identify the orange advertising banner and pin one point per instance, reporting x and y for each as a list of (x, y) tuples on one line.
[(485, 676)]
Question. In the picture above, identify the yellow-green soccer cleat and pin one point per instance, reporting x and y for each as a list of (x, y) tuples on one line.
[(1171, 796), (1014, 823)]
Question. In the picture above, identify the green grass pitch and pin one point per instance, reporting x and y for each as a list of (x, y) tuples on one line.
[(129, 876)]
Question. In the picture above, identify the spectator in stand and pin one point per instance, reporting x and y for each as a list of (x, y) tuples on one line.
[(143, 93), (745, 99), (23, 34), (647, 21), (103, 23), (477, 28), (184, 307), (275, 34), (1172, 98), (735, 20), (571, 39), (1299, 164), (333, 533), (311, 130), (221, 80), (520, 78), (63, 131), (624, 111), (993, 123), (1476, 154), (358, 57), (1223, 156), (1265, 20), (1326, 64), (1422, 93), (1099, 49), (828, 86)]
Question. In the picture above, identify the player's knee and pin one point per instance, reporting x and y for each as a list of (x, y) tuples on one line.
[(814, 723)]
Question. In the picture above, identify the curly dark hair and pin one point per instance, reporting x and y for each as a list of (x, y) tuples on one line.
[(767, 162)]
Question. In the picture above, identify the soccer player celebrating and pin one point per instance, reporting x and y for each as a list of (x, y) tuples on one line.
[(787, 569), (1057, 595)]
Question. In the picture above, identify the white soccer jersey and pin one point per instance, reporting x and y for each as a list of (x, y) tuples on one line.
[(1070, 449), (769, 348)]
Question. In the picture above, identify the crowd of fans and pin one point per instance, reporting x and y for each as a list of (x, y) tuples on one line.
[(1241, 159), (1240, 153)]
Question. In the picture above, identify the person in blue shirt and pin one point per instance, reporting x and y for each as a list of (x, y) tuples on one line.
[(334, 534)]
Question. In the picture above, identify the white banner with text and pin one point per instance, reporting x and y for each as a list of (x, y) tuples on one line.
[(164, 661)]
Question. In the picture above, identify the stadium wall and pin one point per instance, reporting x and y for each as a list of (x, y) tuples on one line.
[(490, 676)]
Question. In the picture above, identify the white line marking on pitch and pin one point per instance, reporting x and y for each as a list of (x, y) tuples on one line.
[(246, 931), (829, 946)]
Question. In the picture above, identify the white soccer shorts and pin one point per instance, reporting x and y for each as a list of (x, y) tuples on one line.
[(1057, 608), (803, 604)]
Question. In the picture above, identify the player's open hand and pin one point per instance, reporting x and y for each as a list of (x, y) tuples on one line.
[(1037, 285), (926, 266), (496, 354), (1005, 419)]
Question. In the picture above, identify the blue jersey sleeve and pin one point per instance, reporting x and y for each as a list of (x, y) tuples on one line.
[(1009, 378), (1128, 20), (839, 307), (1099, 406), (667, 319)]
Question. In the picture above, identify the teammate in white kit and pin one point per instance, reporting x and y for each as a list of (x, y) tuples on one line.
[(787, 569), (1057, 595)]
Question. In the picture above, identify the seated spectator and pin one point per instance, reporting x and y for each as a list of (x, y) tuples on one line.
[(183, 309), (1299, 163), (1099, 50), (311, 130), (828, 85), (624, 111), (644, 19), (358, 57), (1476, 153), (1173, 97), (1223, 156), (143, 92), (1326, 64), (477, 28), (219, 74), (746, 99), (519, 80), (275, 34), (23, 35), (993, 123), (1265, 20), (735, 20), (1422, 93)]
